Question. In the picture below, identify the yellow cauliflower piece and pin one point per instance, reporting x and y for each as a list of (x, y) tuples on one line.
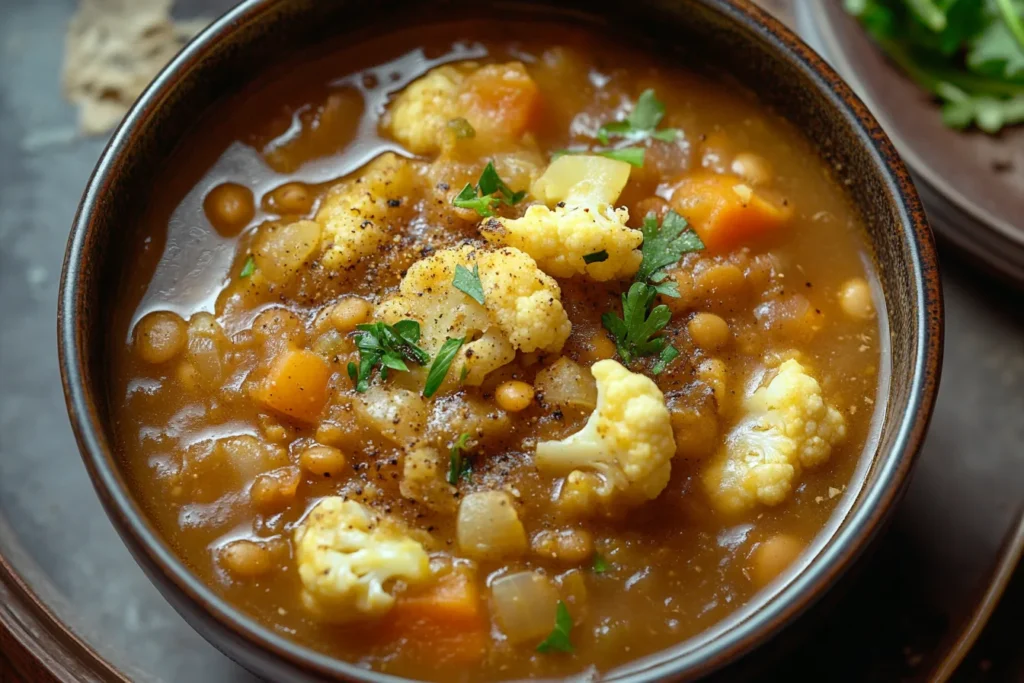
[(582, 189), (498, 101), (623, 456), (787, 426), (349, 558), (359, 214), (522, 309)]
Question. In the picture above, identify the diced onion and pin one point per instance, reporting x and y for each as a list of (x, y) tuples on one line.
[(524, 606), (282, 251), (565, 383), (399, 415), (488, 526)]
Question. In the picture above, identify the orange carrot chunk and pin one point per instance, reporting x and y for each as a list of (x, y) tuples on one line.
[(500, 100), (296, 385), (726, 212)]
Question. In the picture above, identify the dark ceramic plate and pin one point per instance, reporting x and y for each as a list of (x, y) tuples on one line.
[(972, 183)]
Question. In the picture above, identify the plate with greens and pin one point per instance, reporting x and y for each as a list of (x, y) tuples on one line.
[(946, 80)]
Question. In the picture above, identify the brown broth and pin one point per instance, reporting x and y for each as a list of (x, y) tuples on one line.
[(677, 566)]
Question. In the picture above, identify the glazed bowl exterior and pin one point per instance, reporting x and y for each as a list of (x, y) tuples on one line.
[(733, 36)]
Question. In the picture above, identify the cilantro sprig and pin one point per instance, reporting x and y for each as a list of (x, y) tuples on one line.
[(634, 156), (468, 282), (459, 466), (635, 333), (489, 190), (249, 267), (387, 347), (641, 124), (968, 54), (558, 640), (663, 246), (599, 563), (439, 368)]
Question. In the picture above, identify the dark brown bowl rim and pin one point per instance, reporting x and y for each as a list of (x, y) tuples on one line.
[(838, 554)]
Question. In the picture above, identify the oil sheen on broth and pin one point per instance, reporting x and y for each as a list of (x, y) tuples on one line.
[(292, 215)]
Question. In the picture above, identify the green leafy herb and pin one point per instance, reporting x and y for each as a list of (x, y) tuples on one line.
[(634, 333), (249, 267), (663, 246), (596, 257), (463, 374), (558, 640), (439, 368), (600, 564), (468, 281), (634, 156), (459, 466), (489, 190), (641, 122), (462, 128), (386, 347), (667, 355), (969, 54)]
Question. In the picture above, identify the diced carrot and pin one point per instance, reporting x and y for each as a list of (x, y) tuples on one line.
[(444, 625), (500, 100), (296, 385), (725, 211)]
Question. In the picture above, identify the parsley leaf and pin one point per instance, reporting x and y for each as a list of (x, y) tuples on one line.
[(641, 122), (387, 347), (663, 246), (492, 189), (249, 267), (600, 564), (596, 257), (634, 333), (462, 128), (459, 466), (634, 156), (468, 281), (439, 368), (667, 355), (558, 640)]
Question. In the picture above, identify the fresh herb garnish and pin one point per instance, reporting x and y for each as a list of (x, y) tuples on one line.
[(641, 122), (596, 257), (249, 267), (600, 564), (663, 246), (462, 128), (491, 190), (463, 374), (386, 347), (634, 156), (667, 355), (558, 640), (439, 368), (968, 54), (468, 281), (634, 333), (459, 466)]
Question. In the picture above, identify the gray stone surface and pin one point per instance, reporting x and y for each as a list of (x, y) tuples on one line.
[(921, 581)]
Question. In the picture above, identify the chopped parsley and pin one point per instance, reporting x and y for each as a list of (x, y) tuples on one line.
[(462, 128), (641, 123), (249, 267), (634, 333), (667, 355), (386, 347), (596, 257), (663, 246), (459, 466), (599, 564), (558, 640), (488, 191), (439, 368), (468, 281), (634, 156)]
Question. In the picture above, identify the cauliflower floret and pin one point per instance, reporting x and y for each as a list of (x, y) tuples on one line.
[(359, 214), (582, 223), (622, 457), (498, 101), (423, 481), (522, 309), (787, 426), (349, 558)]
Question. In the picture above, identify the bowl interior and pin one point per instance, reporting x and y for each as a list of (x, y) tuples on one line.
[(730, 35)]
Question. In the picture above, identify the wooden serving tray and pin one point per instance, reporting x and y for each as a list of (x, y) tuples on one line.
[(75, 607)]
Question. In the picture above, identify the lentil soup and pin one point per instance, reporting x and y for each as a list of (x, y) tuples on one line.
[(513, 357)]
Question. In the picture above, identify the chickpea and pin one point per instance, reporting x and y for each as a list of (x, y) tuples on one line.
[(720, 281), (245, 559), (160, 336), (275, 489), (279, 324), (290, 198), (188, 376), (753, 168), (513, 396), (323, 461), (570, 546), (229, 207), (600, 347), (771, 557), (349, 312), (709, 331), (855, 299)]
